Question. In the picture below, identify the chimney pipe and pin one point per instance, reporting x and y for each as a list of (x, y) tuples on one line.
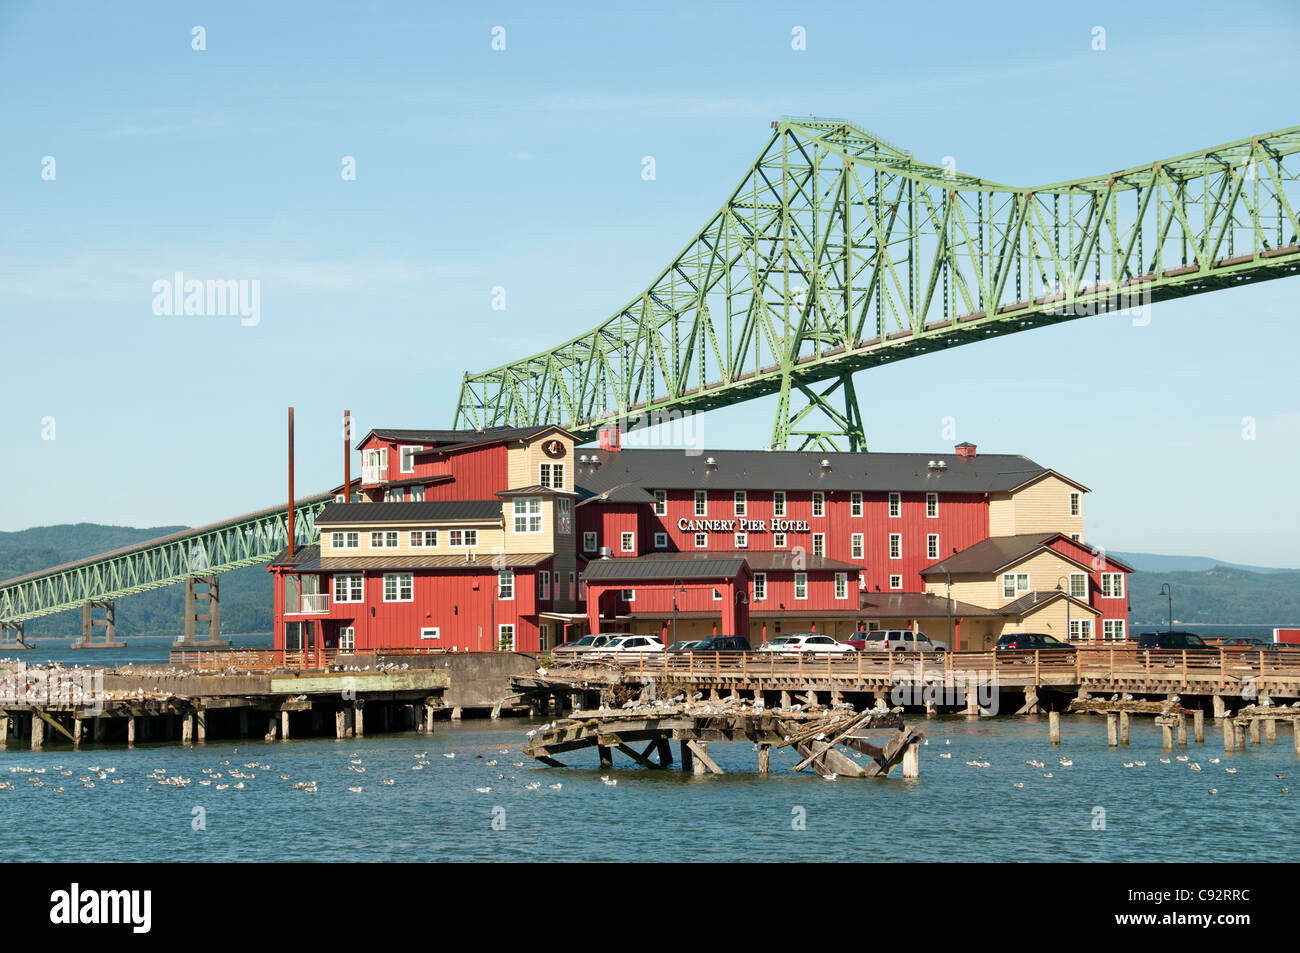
[(291, 537), (347, 456)]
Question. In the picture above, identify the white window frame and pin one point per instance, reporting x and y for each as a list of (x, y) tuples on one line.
[(417, 493), (550, 475), (424, 539), (661, 540), (895, 505), (1076, 503), (430, 633), (348, 638), (778, 540), (801, 586), (760, 586), (932, 506), (572, 584), (1083, 578), (740, 502), (506, 585), (701, 502), (1085, 630), (388, 538), (932, 546), (352, 593), (401, 457), (778, 502), (627, 542), (502, 629), (701, 540), (895, 545), (468, 538), (527, 511), (628, 595), (717, 594), (397, 586), (896, 581), (841, 585), (590, 541), (857, 546), (1016, 588), (818, 503), (1112, 630), (855, 503), (564, 515), (351, 539), (819, 544), (661, 503), (1115, 585)]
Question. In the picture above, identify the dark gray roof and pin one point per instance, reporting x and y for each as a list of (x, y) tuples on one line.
[(713, 566), (990, 555), (428, 512), (1038, 598), (791, 470), (454, 436), (622, 493), (308, 559), (916, 605)]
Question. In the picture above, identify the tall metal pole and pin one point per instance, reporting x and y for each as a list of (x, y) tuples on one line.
[(1167, 590), (951, 647), (347, 456), (289, 531)]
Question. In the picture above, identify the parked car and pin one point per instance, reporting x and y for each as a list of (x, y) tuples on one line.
[(723, 643), (571, 650), (1031, 641), (1170, 640), (684, 645), (628, 647), (804, 642), (900, 640), (1252, 642)]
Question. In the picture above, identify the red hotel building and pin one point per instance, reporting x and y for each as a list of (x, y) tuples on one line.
[(515, 539)]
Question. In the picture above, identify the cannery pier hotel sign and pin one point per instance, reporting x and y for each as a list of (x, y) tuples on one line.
[(742, 526)]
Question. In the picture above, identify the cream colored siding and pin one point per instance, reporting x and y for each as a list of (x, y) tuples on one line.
[(1041, 507), (524, 461)]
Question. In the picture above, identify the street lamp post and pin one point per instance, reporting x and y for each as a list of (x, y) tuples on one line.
[(677, 587), (951, 647), (1168, 590)]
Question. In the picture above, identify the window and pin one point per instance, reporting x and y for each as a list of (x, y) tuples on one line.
[(701, 503), (760, 586), (895, 582), (778, 503), (407, 458), (462, 537), (1112, 585), (628, 595), (1014, 584), (801, 585), (895, 505), (347, 638), (506, 584), (932, 546), (543, 585), (855, 503), (582, 590), (394, 496), (424, 538), (742, 540), (348, 589), (1080, 629), (564, 507), (741, 500), (551, 475), (819, 544), (1079, 585), (572, 577), (819, 503), (505, 638), (588, 542), (374, 466), (717, 596), (1112, 630), (430, 633), (661, 502), (398, 587), (855, 546), (701, 540), (895, 545), (417, 494), (629, 542), (932, 505), (383, 539), (345, 540), (661, 540), (1077, 537), (778, 540), (1076, 504), (528, 514), (555, 584), (841, 585)]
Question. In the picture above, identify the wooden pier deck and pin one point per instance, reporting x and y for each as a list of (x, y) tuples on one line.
[(814, 733)]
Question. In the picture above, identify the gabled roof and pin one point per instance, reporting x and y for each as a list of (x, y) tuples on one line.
[(791, 470), (1040, 599), (916, 605), (432, 511), (622, 493), (1050, 472), (703, 566), (456, 439), (996, 553), (308, 559)]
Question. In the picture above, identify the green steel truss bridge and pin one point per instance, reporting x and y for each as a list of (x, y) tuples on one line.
[(205, 551), (839, 251)]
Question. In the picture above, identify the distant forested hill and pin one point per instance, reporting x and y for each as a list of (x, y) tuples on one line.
[(245, 593), (1217, 596)]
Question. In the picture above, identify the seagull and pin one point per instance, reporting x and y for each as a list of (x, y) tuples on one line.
[(483, 790), (1214, 790), (1230, 770), (355, 790), (1018, 784), (450, 754), (1196, 767), (555, 787)]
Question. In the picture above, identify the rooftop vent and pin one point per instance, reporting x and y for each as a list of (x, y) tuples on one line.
[(711, 462), (826, 464), (606, 552), (965, 449)]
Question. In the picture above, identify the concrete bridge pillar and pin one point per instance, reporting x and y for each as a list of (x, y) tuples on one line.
[(208, 635), (89, 623), (11, 635)]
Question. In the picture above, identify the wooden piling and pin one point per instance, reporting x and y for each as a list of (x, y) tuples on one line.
[(77, 727), (428, 719), (38, 733), (130, 730), (1198, 726), (764, 759), (1123, 727), (1180, 728), (1229, 736), (358, 719), (1167, 737), (912, 761), (1054, 726), (606, 756), (187, 729), (1239, 732), (284, 726), (4, 730), (1254, 731), (687, 759), (1112, 729), (340, 723), (1219, 707), (1270, 730)]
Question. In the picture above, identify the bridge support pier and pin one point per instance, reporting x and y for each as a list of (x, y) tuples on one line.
[(11, 636), (211, 639), (89, 623)]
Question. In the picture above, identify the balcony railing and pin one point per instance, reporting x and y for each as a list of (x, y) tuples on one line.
[(314, 602), (373, 474)]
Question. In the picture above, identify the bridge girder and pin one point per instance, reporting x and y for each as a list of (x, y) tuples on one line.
[(839, 251)]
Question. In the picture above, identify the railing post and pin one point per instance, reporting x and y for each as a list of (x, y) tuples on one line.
[(1223, 662), (1037, 677)]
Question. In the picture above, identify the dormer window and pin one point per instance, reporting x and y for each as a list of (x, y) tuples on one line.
[(407, 455), (374, 466), (551, 475)]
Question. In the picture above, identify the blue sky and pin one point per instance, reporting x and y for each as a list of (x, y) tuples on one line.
[(521, 169)]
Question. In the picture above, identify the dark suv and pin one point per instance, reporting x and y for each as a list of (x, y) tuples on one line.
[(723, 643), (1030, 641), (1170, 640)]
